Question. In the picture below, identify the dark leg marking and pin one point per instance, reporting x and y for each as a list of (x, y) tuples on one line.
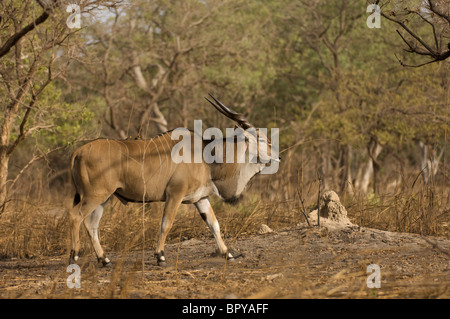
[(72, 257), (76, 199)]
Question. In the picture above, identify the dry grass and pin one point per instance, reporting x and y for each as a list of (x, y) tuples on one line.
[(33, 229), (425, 211)]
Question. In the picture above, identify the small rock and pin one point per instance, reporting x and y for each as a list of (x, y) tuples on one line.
[(264, 229), (271, 278)]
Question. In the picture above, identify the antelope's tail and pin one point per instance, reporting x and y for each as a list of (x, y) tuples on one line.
[(73, 175)]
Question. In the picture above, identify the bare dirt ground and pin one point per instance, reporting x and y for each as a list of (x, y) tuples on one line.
[(297, 262)]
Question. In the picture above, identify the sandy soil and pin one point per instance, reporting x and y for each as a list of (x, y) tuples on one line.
[(298, 262)]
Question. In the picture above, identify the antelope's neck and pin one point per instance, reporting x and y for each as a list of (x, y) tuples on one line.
[(232, 178)]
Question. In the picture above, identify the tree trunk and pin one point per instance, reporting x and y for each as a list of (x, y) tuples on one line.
[(345, 175), (152, 111), (429, 162), (5, 134), (363, 177), (369, 169), (374, 149), (4, 161), (376, 169), (326, 168)]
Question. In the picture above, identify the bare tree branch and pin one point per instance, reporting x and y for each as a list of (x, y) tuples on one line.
[(18, 35), (439, 53)]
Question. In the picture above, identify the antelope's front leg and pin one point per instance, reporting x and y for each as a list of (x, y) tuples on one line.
[(207, 214), (170, 210)]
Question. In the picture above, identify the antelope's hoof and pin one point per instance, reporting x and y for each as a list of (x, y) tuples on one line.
[(160, 259), (232, 256), (73, 258), (105, 262)]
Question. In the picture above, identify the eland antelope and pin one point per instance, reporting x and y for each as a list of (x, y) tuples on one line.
[(143, 171)]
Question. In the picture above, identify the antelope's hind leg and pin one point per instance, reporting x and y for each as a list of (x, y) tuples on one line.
[(77, 215), (91, 223)]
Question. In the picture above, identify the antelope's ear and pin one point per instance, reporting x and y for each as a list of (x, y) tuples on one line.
[(250, 137), (263, 153)]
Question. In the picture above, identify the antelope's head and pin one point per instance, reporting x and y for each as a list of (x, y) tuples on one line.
[(257, 145)]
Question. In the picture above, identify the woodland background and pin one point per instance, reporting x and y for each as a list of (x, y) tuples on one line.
[(361, 111)]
